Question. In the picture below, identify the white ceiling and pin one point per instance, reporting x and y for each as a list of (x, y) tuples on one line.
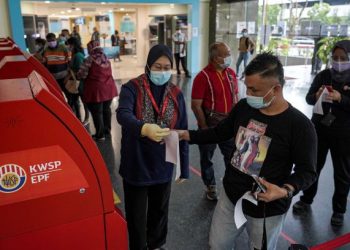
[(76, 9)]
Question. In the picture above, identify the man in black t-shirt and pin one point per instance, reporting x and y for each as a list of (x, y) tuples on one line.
[(275, 142)]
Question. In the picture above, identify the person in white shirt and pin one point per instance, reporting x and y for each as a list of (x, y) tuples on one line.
[(180, 41)]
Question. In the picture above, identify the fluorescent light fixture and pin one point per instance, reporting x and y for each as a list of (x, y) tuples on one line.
[(121, 9), (69, 11), (103, 2), (47, 1)]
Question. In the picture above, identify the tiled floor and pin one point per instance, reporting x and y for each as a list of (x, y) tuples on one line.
[(190, 213)]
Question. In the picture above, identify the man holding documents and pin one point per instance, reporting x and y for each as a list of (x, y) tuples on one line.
[(284, 165)]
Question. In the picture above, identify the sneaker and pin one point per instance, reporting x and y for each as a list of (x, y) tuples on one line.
[(337, 219), (301, 207), (212, 193)]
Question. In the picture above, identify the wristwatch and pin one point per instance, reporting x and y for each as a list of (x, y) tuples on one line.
[(290, 192)]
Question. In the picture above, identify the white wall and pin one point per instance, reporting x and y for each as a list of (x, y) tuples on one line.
[(142, 35), (204, 32), (159, 10), (5, 30)]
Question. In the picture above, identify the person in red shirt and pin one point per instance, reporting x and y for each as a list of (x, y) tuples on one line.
[(214, 94)]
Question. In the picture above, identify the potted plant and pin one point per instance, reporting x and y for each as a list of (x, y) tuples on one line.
[(326, 46)]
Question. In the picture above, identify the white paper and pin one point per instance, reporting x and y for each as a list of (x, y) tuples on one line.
[(323, 98), (172, 151), (239, 217)]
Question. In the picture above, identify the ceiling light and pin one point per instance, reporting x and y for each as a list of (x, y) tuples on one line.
[(47, 1), (103, 2), (110, 10), (172, 5), (69, 11), (122, 9), (77, 9), (63, 12)]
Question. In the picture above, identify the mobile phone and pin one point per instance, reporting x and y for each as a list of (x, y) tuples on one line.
[(329, 88), (258, 186)]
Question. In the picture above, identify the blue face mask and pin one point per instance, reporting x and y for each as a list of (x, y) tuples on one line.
[(227, 62), (257, 102), (160, 78)]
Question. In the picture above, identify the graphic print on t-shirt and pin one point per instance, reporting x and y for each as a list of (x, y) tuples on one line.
[(251, 148)]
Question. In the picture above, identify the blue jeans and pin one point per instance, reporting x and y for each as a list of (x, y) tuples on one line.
[(243, 56), (206, 152), (223, 230)]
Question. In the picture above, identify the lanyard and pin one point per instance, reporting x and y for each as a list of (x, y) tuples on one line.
[(154, 104)]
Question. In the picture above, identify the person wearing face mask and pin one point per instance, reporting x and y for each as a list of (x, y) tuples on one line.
[(64, 36), (76, 61), (246, 47), (39, 49), (180, 43), (56, 59), (149, 106), (99, 89), (333, 130), (214, 93), (287, 163)]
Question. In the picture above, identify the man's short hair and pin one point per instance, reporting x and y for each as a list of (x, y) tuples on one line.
[(214, 49), (266, 65), (50, 36)]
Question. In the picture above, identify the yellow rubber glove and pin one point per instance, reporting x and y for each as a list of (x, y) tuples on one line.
[(154, 132)]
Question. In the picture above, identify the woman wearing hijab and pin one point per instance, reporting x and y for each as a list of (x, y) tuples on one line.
[(333, 129), (99, 89), (76, 61), (149, 106)]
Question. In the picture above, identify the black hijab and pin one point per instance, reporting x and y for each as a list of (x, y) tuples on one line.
[(345, 75), (155, 53)]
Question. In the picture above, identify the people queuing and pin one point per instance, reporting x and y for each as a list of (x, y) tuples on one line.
[(56, 58), (150, 105), (214, 94), (99, 89), (39, 49), (333, 130), (284, 170), (76, 61)]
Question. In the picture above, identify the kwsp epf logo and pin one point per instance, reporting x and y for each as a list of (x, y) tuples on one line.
[(12, 178)]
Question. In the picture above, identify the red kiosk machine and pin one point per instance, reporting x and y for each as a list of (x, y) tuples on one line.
[(55, 191)]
